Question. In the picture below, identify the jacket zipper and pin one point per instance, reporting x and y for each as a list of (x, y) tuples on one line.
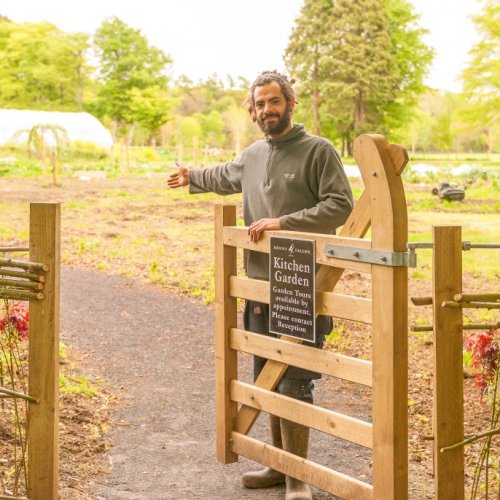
[(268, 166)]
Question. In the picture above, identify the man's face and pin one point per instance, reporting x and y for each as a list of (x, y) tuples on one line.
[(272, 111)]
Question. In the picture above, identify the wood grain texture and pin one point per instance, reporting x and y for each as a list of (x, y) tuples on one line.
[(226, 368), (448, 400), (43, 417)]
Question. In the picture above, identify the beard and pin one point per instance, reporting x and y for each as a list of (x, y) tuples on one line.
[(275, 128)]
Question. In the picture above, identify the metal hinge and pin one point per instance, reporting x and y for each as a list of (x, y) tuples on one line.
[(381, 257)]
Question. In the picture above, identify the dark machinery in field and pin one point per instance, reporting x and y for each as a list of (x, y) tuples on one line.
[(449, 191)]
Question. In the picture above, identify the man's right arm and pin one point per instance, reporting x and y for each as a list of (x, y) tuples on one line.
[(223, 179)]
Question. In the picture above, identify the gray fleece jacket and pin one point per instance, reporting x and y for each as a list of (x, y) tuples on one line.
[(298, 179)]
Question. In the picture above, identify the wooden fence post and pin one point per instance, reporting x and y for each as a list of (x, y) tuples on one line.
[(448, 414), (225, 318), (43, 417)]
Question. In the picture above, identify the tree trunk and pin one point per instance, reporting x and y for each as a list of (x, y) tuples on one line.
[(79, 91), (130, 138), (316, 101), (113, 135), (358, 111), (122, 149)]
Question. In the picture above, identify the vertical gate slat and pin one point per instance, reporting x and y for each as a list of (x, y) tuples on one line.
[(448, 414), (225, 319), (43, 417)]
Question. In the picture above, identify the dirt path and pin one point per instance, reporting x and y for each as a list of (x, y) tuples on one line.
[(157, 349)]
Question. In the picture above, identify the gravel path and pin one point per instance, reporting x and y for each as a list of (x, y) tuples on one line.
[(157, 349)]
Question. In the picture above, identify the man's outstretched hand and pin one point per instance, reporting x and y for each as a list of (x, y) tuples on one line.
[(180, 178), (256, 228)]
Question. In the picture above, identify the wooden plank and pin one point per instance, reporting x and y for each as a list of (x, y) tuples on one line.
[(343, 306), (322, 419), (226, 367), (43, 417), (448, 414), (249, 289), (237, 236), (390, 319), (340, 306), (303, 356), (305, 470)]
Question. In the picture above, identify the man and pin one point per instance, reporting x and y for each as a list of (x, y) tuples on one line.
[(290, 180)]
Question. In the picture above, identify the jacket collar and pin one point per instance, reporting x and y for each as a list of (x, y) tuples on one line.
[(298, 130)]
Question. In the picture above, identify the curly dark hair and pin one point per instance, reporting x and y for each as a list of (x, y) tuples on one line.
[(267, 77)]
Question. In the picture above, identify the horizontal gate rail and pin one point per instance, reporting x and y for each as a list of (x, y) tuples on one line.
[(341, 306), (326, 362), (300, 468), (238, 237), (324, 420)]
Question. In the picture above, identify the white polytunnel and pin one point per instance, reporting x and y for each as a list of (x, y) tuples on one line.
[(15, 125)]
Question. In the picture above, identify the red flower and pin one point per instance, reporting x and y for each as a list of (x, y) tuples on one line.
[(485, 350), (18, 316)]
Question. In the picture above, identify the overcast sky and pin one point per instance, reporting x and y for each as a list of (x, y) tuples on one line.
[(241, 37)]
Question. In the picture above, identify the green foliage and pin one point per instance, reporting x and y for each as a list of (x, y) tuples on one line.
[(150, 107), (481, 78), (131, 76), (42, 67), (361, 62), (76, 384)]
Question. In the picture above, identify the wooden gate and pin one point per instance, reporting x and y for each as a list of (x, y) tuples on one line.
[(383, 206)]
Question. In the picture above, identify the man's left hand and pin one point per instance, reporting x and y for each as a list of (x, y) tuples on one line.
[(256, 228)]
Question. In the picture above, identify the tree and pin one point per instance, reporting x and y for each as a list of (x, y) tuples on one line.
[(131, 73), (353, 60), (42, 67), (481, 78), (411, 58), (151, 108), (307, 50)]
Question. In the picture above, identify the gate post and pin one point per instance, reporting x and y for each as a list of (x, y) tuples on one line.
[(382, 180), (225, 318), (448, 411), (43, 417)]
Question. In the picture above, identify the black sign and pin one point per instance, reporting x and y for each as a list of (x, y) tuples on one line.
[(292, 282)]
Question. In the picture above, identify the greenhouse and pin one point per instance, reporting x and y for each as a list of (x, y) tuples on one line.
[(79, 127)]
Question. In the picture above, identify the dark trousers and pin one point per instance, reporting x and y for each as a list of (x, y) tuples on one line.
[(296, 382)]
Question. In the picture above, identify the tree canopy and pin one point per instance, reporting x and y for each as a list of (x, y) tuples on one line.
[(481, 78), (42, 67), (360, 64)]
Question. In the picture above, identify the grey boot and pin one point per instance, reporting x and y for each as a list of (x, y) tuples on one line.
[(295, 440), (266, 477)]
